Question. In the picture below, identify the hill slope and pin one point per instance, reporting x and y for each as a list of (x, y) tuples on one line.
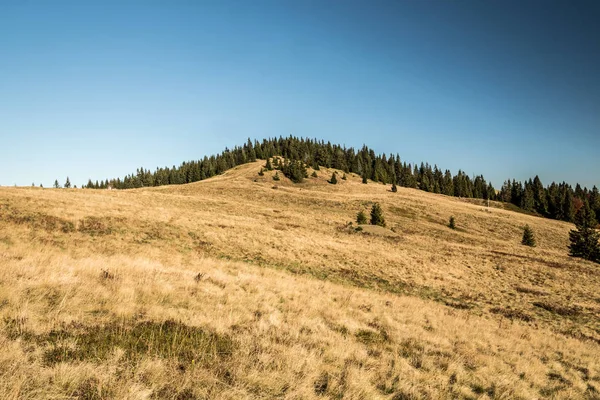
[(231, 288)]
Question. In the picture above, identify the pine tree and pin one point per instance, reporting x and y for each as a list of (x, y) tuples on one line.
[(269, 166), (452, 223), (584, 240), (364, 178), (394, 188), (56, 184), (333, 179), (276, 176), (344, 176), (361, 218), (314, 174), (528, 238), (377, 215), (68, 183)]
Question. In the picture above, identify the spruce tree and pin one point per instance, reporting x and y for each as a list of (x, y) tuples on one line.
[(364, 179), (68, 183), (528, 238), (584, 240), (361, 218), (314, 174), (377, 215), (333, 179), (276, 176), (268, 166), (452, 223), (394, 188), (56, 184)]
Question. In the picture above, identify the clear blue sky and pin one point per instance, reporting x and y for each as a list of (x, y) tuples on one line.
[(507, 89)]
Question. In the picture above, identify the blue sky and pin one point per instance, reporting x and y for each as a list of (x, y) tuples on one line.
[(507, 89)]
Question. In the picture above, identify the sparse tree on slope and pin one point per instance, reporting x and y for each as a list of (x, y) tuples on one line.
[(361, 218), (452, 223), (56, 184), (377, 215), (528, 238), (584, 240), (333, 179), (68, 183), (394, 188)]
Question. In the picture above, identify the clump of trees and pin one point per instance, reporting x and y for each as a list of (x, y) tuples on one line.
[(584, 241), (528, 237), (294, 170)]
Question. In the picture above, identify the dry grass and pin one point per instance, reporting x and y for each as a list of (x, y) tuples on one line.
[(229, 288)]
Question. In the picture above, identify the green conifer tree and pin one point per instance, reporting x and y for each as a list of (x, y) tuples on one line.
[(452, 223), (276, 176), (269, 166), (364, 178), (361, 218), (68, 183), (261, 173), (56, 184), (344, 176), (528, 238), (377, 215), (394, 188), (584, 240), (333, 179), (314, 174)]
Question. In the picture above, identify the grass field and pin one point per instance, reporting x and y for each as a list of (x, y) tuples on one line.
[(240, 287)]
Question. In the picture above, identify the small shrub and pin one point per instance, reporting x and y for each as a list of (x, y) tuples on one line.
[(276, 176), (394, 188), (361, 218), (452, 223), (528, 239), (314, 174), (344, 176), (261, 172)]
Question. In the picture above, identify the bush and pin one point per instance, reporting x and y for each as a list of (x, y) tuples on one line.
[(377, 215), (361, 218), (528, 239), (276, 176), (394, 188), (261, 173), (344, 176), (452, 223), (314, 174)]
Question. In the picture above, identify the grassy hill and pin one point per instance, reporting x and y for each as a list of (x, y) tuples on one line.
[(243, 287)]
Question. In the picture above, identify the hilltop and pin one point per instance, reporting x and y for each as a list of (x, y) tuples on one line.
[(239, 286)]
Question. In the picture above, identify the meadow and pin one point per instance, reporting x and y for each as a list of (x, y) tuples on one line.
[(242, 287)]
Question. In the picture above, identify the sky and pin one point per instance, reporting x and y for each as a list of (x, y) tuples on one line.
[(96, 89)]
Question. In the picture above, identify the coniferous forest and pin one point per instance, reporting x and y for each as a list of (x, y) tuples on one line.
[(557, 201)]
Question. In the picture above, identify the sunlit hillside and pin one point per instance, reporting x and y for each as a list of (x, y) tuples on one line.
[(242, 287)]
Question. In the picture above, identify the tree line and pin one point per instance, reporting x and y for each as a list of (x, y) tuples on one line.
[(559, 201)]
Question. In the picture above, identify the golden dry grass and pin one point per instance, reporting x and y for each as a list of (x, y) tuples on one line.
[(230, 288)]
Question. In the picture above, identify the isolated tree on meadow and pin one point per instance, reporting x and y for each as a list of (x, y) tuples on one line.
[(584, 240), (68, 183), (394, 188), (361, 218), (344, 176), (261, 173), (377, 215), (452, 223), (333, 179), (528, 238), (314, 174), (56, 184), (276, 176)]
